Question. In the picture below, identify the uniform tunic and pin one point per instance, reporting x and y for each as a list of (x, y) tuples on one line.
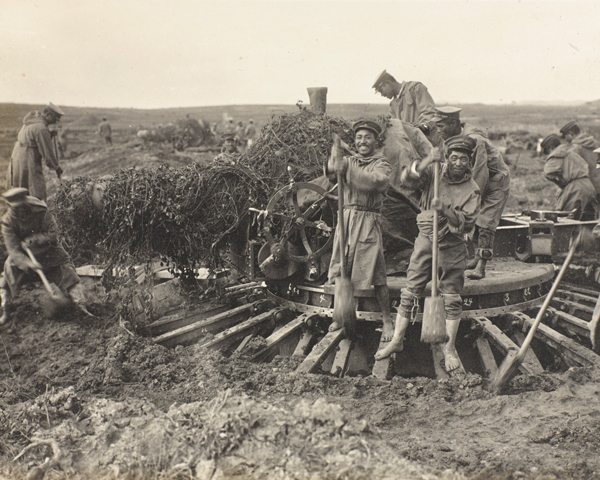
[(34, 143), (492, 176), (54, 259), (570, 172), (366, 181), (463, 196), (584, 145), (413, 104)]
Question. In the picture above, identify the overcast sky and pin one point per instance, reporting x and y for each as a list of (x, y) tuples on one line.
[(173, 53)]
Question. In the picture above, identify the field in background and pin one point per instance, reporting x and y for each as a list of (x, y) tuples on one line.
[(88, 155)]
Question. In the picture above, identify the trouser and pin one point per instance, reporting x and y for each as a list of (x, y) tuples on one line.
[(452, 261), (485, 243)]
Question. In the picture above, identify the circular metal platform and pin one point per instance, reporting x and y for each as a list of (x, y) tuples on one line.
[(509, 286)]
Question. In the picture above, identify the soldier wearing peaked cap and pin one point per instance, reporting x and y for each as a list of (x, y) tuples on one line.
[(28, 223), (491, 175), (34, 144), (583, 144), (366, 176), (570, 173), (229, 151), (458, 207), (410, 101)]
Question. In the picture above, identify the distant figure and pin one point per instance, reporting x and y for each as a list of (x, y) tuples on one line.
[(583, 144), (571, 174), (230, 126), (229, 151), (240, 135), (250, 133), (105, 131), (29, 224), (411, 101), (34, 143)]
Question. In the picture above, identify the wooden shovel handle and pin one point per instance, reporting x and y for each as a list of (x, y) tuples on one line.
[(434, 246), (39, 271)]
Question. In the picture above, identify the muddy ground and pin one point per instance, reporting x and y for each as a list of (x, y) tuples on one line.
[(118, 406)]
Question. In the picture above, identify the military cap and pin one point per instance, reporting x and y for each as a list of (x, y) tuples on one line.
[(55, 109), (383, 77), (550, 142), (441, 113), (15, 195), (461, 142), (228, 136), (568, 127), (367, 125)]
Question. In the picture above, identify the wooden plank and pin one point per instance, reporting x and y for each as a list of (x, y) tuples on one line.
[(438, 360), (487, 357), (191, 333), (577, 325), (182, 318), (569, 287), (571, 307), (577, 297), (320, 351), (304, 344), (572, 352), (273, 340), (243, 343), (500, 341), (229, 336), (340, 362), (530, 358)]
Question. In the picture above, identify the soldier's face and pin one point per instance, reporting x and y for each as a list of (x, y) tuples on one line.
[(365, 142), (52, 117), (458, 163), (386, 90), (448, 128), (230, 145)]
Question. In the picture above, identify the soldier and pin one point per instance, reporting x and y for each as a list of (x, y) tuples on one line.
[(458, 206), (367, 176), (229, 151), (33, 145), (105, 131), (570, 172), (28, 223), (583, 144), (250, 132), (491, 175), (411, 102)]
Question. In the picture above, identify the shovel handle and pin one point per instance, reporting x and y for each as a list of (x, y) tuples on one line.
[(39, 271), (434, 246)]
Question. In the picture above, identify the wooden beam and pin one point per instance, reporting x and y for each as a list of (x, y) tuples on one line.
[(184, 317), (572, 307), (487, 357), (231, 335), (273, 340), (570, 322), (340, 362), (304, 344), (320, 352), (577, 297), (533, 362), (191, 333), (569, 287)]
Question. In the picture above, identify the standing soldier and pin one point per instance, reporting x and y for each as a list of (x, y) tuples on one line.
[(34, 144), (570, 172), (105, 131), (583, 144), (367, 176), (411, 102), (491, 175), (250, 132)]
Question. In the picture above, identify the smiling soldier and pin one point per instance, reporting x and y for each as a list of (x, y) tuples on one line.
[(458, 206), (367, 176)]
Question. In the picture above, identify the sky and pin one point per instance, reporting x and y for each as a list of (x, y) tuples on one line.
[(184, 53)]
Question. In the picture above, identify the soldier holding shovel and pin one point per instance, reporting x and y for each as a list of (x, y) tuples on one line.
[(458, 206)]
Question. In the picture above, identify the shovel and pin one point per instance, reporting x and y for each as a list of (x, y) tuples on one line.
[(57, 298), (513, 361), (344, 309), (433, 329)]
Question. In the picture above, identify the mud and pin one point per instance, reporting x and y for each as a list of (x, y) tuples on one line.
[(120, 406)]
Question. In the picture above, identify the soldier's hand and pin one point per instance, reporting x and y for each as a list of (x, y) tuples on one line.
[(436, 155), (437, 204), (59, 171)]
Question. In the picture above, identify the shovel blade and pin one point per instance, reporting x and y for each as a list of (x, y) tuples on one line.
[(344, 308), (433, 329)]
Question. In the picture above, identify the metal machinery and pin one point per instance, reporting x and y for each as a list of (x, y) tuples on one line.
[(285, 306)]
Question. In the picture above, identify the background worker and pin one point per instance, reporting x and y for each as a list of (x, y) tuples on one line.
[(583, 144), (571, 174), (367, 177), (490, 173), (458, 207), (105, 131), (250, 133), (29, 223), (34, 144), (229, 151), (411, 101)]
